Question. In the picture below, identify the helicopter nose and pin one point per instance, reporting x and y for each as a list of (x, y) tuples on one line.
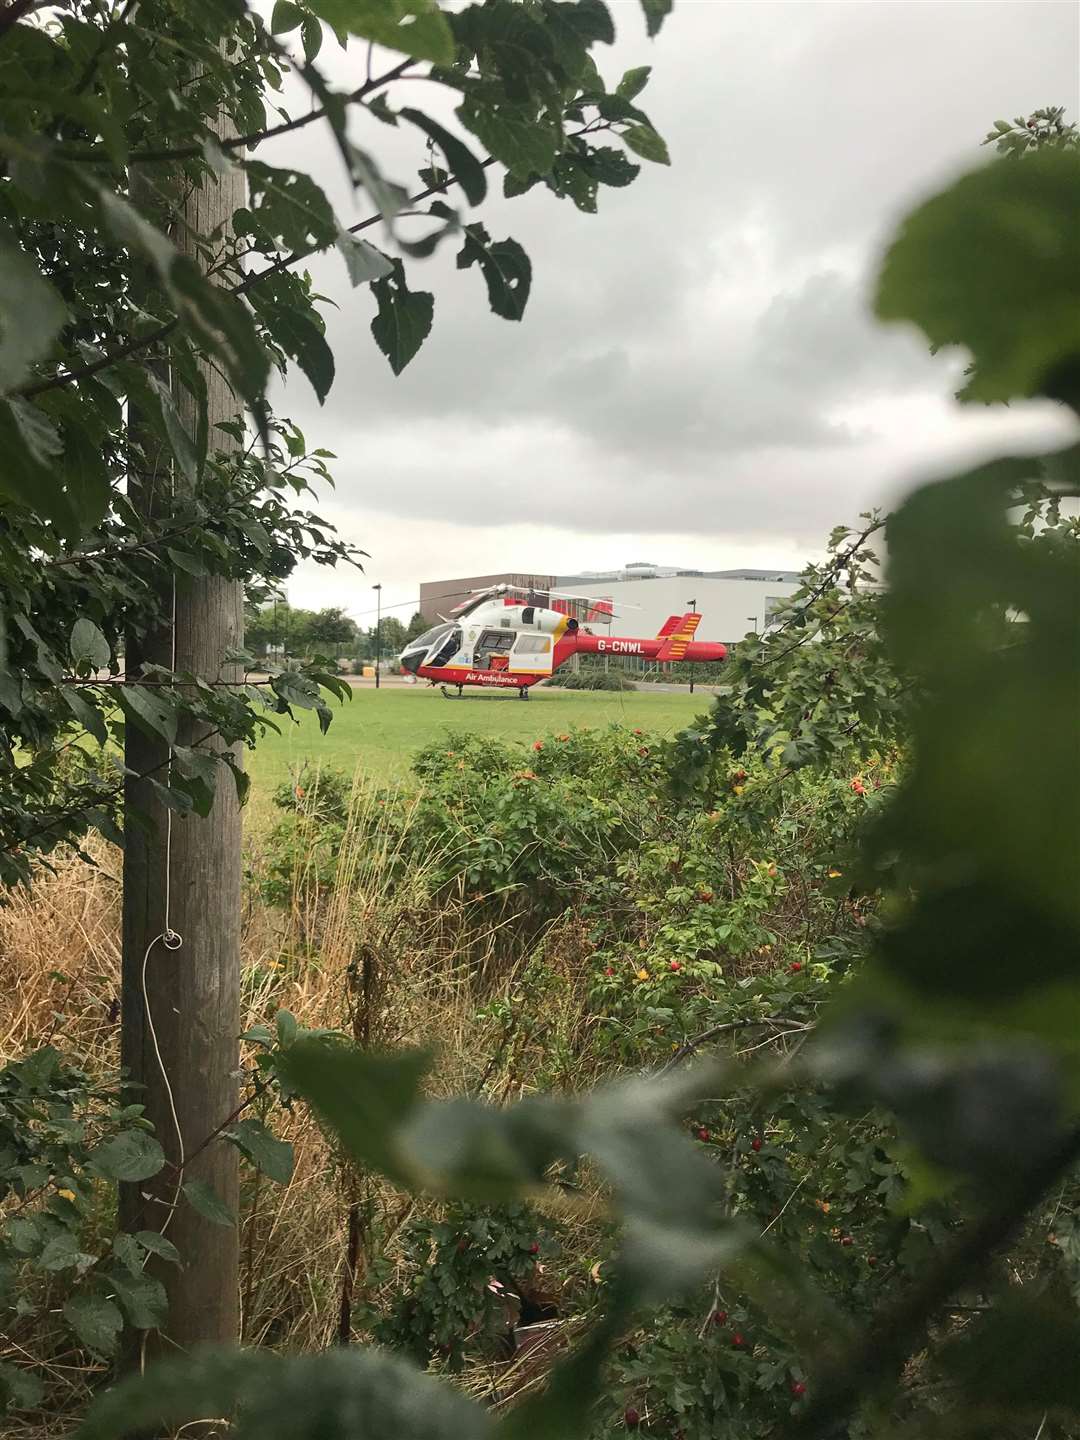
[(411, 659)]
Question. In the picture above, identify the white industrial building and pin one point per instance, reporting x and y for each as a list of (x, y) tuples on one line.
[(643, 595), (731, 602)]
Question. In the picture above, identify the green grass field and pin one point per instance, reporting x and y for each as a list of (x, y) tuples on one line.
[(379, 730)]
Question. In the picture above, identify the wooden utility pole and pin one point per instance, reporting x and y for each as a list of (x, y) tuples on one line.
[(181, 1006)]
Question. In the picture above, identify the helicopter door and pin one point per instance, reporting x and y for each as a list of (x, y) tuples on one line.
[(493, 643)]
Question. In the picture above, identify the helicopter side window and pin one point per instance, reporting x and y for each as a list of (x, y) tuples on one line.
[(528, 615), (533, 645), (495, 641)]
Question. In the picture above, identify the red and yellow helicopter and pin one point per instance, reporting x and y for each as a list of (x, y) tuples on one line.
[(499, 639)]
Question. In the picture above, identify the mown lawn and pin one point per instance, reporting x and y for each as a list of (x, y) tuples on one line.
[(379, 730)]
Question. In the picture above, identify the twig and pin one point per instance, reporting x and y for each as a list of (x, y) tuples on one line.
[(689, 1046), (96, 155)]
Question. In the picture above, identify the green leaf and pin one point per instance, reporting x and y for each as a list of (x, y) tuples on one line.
[(150, 711), (514, 135), (416, 27), (463, 164), (506, 270), (142, 1298), (363, 261), (190, 564), (993, 263), (180, 442), (62, 1253), (404, 319), (284, 17), (266, 1152), (223, 324), (31, 315), (19, 1388), (288, 207), (644, 141), (286, 1027), (96, 1322), (26, 479), (158, 1245), (88, 647), (633, 82), (131, 1155), (311, 33), (339, 1394), (656, 12), (296, 688), (364, 1098), (86, 477), (11, 692), (204, 1198), (302, 339), (39, 434), (128, 1251)]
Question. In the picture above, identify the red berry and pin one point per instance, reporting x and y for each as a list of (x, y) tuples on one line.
[(871, 1260), (702, 1133), (675, 965), (631, 1418), (462, 1245), (795, 966), (643, 751), (639, 732), (798, 1389), (755, 1143), (719, 1317), (846, 1240), (608, 970), (738, 1340), (534, 1248), (705, 896), (538, 744)]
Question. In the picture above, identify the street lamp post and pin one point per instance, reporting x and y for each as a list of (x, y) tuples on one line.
[(378, 630), (693, 611)]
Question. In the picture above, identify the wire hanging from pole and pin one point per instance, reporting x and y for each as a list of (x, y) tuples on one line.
[(172, 941)]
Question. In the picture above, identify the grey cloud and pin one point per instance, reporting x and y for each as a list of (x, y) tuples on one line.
[(701, 349)]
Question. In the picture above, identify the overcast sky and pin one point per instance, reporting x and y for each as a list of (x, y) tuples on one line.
[(696, 380)]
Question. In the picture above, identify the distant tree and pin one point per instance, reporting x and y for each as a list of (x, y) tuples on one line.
[(391, 641), (330, 629), (417, 625)]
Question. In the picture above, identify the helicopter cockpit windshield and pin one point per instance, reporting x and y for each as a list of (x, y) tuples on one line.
[(439, 643)]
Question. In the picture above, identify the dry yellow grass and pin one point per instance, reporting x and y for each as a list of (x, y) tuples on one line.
[(370, 955)]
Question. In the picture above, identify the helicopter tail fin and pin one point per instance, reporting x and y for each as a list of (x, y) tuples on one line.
[(676, 634)]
